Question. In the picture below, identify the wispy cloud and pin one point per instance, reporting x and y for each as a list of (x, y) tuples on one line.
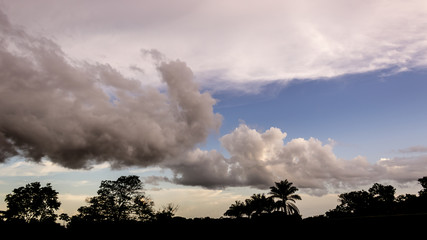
[(237, 42), (414, 149), (22, 168)]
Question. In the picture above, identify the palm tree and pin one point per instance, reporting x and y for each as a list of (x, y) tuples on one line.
[(236, 210), (261, 204), (285, 193)]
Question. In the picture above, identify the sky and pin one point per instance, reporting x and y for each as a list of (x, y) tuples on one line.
[(210, 102)]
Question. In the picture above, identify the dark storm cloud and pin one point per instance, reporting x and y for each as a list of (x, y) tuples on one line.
[(77, 114)]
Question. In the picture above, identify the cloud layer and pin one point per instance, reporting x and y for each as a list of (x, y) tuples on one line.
[(239, 41), (78, 114)]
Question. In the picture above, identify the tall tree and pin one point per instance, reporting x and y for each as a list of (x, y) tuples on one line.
[(119, 200), (284, 191), (32, 203)]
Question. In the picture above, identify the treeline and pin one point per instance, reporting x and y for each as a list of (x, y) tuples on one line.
[(380, 200), (123, 203), (122, 200)]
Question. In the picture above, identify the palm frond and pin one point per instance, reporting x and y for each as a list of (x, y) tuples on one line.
[(292, 209), (295, 197)]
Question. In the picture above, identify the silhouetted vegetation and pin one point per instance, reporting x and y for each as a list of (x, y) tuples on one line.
[(122, 206), (380, 200), (120, 200), (259, 204), (32, 203), (284, 192)]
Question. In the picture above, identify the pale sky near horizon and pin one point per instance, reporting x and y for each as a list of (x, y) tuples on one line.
[(212, 101)]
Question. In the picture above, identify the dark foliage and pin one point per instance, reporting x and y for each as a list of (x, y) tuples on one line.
[(380, 200), (259, 204), (32, 203), (117, 201), (285, 193)]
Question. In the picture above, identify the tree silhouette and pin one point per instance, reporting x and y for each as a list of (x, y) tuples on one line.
[(259, 204), (382, 197), (236, 210), (355, 202), (382, 193), (423, 182), (167, 212), (119, 200), (379, 199), (32, 203), (285, 193), (256, 205)]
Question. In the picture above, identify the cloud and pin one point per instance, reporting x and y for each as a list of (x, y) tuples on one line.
[(78, 114), (154, 180), (21, 168), (45, 167), (405, 169), (71, 202), (257, 159), (414, 149), (236, 42)]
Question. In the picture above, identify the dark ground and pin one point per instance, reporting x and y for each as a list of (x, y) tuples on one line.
[(390, 226)]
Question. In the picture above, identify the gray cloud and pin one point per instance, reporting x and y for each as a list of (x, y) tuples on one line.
[(414, 149), (154, 180), (77, 114), (404, 169), (258, 159)]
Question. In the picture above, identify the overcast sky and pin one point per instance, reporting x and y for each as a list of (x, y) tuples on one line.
[(211, 101)]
